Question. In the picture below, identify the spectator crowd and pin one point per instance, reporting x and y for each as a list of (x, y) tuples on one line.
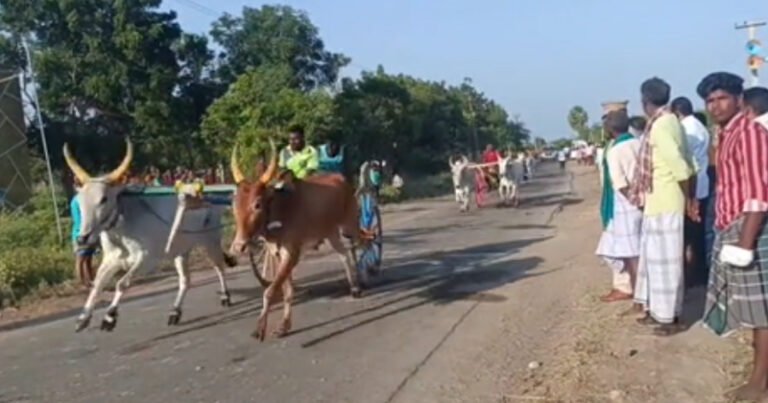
[(683, 206)]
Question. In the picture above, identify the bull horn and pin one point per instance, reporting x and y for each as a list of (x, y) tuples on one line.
[(450, 160), (237, 174), (122, 169), (271, 171), (80, 173)]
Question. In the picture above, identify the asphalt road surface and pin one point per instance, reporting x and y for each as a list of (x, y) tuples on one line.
[(439, 263)]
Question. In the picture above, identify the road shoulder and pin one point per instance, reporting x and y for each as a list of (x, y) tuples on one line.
[(553, 340)]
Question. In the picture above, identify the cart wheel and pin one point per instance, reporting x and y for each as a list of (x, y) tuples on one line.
[(260, 259)]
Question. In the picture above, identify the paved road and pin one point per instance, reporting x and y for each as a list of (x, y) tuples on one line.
[(439, 266)]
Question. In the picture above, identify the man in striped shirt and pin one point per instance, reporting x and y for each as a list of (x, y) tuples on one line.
[(738, 286)]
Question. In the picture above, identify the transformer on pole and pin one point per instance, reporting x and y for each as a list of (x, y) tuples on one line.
[(754, 47)]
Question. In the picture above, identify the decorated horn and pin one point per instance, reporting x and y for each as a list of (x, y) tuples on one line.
[(74, 166), (122, 169), (237, 174), (271, 171)]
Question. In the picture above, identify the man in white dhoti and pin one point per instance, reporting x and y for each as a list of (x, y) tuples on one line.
[(661, 185), (620, 242)]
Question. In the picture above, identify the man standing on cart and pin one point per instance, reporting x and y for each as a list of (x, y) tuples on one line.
[(299, 157), (491, 156)]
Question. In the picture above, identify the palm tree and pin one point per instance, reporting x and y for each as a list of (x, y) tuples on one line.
[(577, 119)]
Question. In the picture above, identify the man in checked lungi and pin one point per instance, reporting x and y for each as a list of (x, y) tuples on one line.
[(738, 285), (661, 186), (619, 244)]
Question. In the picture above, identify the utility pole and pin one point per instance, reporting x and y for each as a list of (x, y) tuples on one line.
[(751, 28)]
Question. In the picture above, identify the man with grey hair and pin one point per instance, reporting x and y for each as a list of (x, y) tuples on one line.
[(619, 244)]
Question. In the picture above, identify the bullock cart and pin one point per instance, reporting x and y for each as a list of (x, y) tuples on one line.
[(368, 254), (486, 177)]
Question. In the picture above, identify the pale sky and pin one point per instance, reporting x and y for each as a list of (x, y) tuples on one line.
[(537, 58)]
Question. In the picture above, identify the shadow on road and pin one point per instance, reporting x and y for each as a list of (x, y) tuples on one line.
[(412, 236), (430, 278), (693, 306)]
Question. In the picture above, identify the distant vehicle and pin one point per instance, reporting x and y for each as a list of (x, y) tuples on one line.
[(548, 154), (579, 144)]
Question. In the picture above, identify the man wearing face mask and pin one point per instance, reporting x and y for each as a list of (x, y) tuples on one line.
[(737, 295)]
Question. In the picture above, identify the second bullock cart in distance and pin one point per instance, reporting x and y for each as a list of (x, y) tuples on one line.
[(367, 255)]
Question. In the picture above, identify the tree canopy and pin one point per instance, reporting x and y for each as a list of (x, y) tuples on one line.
[(109, 69)]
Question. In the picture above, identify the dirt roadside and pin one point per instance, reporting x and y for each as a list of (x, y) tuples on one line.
[(601, 355), (556, 342)]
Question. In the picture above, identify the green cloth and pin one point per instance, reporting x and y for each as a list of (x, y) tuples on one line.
[(606, 204), (301, 163)]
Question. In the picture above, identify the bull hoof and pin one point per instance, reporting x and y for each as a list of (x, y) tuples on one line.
[(282, 331), (174, 317), (82, 323), (356, 293), (110, 320), (225, 299), (261, 329)]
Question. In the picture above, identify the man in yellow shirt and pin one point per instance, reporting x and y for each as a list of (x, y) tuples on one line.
[(298, 157), (662, 178)]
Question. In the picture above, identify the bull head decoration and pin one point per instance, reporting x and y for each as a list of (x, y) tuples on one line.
[(98, 196)]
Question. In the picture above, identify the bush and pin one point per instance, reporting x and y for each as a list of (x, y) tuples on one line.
[(24, 270), (30, 253), (417, 188)]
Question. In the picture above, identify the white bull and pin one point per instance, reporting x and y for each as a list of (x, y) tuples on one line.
[(510, 176), (463, 181), (133, 230)]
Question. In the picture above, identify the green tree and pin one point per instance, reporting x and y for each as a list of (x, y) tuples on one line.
[(373, 115), (596, 135), (104, 69), (264, 103), (539, 143), (196, 90), (559, 144), (275, 35), (578, 119)]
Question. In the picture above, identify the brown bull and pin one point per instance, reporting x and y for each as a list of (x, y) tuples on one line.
[(303, 212)]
